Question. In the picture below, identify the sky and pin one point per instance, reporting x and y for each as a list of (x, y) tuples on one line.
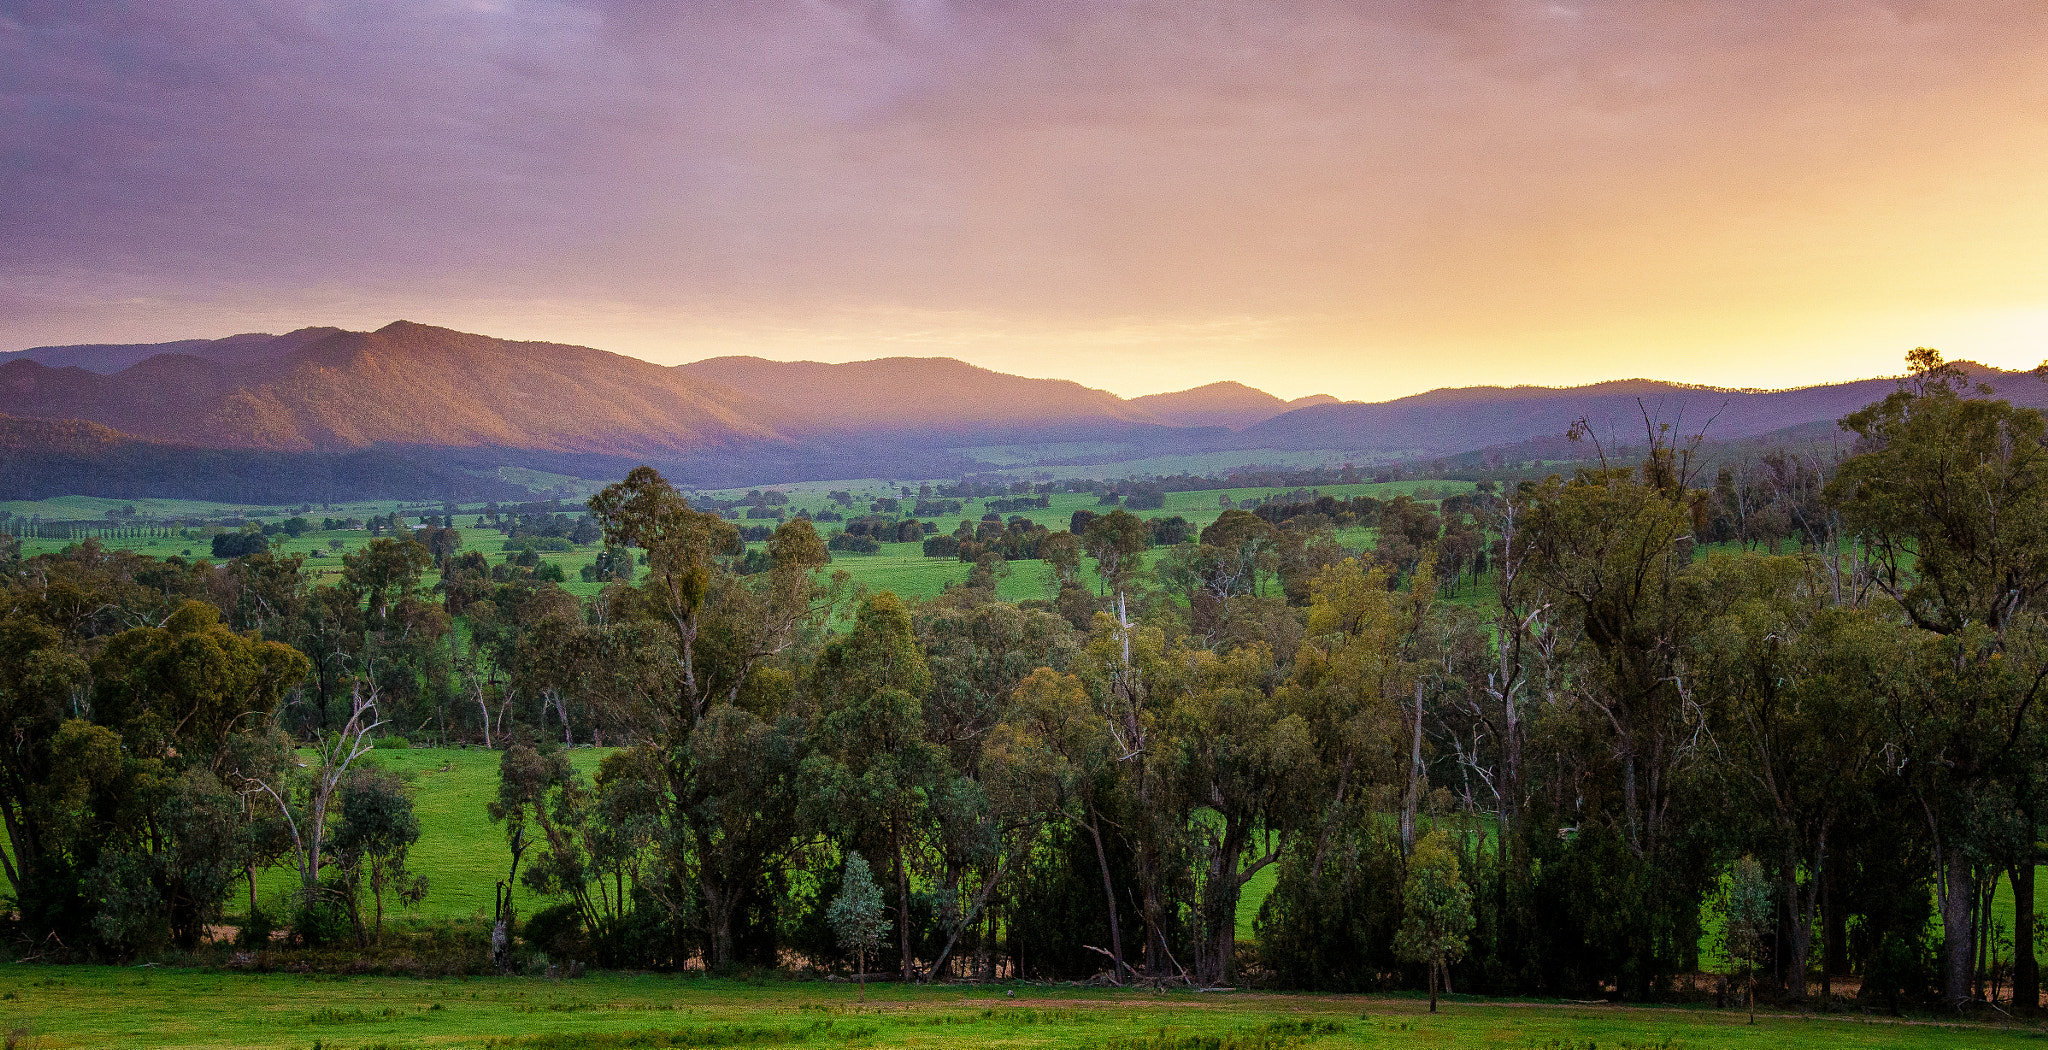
[(1360, 198)]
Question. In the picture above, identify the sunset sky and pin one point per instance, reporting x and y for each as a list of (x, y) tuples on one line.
[(1361, 198)]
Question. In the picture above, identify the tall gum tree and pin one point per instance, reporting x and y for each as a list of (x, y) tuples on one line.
[(728, 737), (876, 772), (1612, 546), (1948, 493), (1797, 732), (1245, 766)]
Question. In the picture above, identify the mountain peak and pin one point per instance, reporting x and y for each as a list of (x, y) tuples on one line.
[(936, 394), (1226, 403)]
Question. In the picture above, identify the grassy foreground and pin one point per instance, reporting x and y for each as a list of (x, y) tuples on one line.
[(101, 1006)]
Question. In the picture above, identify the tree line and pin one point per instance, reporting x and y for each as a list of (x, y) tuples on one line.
[(1826, 756)]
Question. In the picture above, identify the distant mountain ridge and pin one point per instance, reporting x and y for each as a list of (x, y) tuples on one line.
[(404, 384), (108, 358), (747, 420), (1226, 404), (930, 395), (1460, 419)]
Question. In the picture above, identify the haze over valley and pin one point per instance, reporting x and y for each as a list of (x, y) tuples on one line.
[(456, 406)]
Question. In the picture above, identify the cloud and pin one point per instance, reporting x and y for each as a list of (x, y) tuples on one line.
[(1470, 176)]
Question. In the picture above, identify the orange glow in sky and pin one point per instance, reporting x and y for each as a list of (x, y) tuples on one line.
[(1363, 199)]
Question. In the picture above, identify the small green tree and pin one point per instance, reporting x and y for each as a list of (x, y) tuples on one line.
[(1749, 919), (1436, 910), (856, 916), (378, 828)]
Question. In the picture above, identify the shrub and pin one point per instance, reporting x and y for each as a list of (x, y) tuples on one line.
[(255, 929), (557, 930), (393, 743), (851, 544), (239, 544)]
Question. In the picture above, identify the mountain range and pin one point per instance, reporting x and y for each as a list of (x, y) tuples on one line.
[(747, 420)]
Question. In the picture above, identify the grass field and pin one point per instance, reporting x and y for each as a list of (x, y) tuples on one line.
[(898, 567), (80, 1006), (460, 851)]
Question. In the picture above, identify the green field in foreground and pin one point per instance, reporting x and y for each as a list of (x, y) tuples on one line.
[(103, 1006)]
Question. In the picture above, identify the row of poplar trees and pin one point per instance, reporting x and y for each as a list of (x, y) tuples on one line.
[(1073, 787)]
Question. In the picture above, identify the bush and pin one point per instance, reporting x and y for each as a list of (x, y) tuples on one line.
[(851, 544), (239, 544), (941, 547), (1331, 929), (1900, 973), (255, 930), (321, 925), (558, 931), (1167, 532), (393, 743)]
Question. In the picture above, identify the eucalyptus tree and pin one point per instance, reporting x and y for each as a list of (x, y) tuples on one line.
[(1357, 664), (1613, 547), (875, 771), (1222, 576), (385, 572), (1793, 687), (1436, 911), (987, 805), (1061, 553), (187, 701), (993, 822), (372, 844), (1132, 676), (1949, 494), (1245, 767), (1055, 710), (723, 726), (308, 801)]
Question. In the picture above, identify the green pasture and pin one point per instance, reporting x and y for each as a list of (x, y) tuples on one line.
[(898, 567), (903, 568), (95, 508), (93, 1006), (462, 854)]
